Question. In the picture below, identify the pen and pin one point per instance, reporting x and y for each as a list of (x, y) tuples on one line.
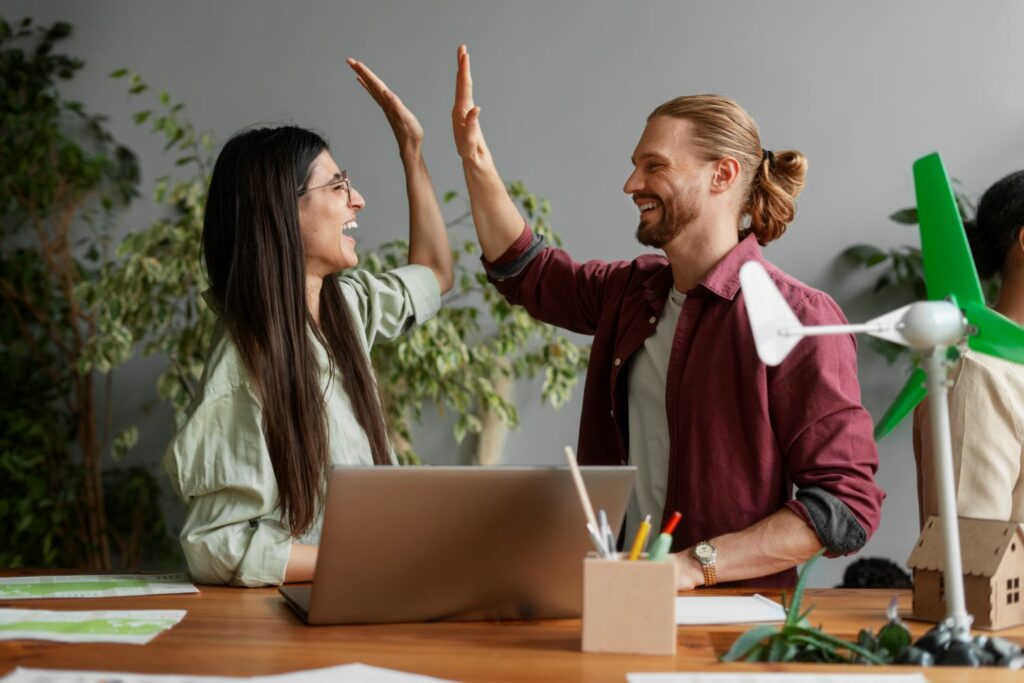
[(598, 540), (660, 547), (641, 538), (606, 533)]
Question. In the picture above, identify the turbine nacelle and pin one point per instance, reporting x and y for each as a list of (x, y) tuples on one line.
[(927, 324)]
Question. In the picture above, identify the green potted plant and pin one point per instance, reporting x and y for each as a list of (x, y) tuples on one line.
[(68, 497)]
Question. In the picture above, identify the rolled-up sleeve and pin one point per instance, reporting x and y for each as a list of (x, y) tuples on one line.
[(219, 465), (390, 303), (825, 434)]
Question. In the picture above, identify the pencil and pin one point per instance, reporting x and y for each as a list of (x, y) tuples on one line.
[(641, 538)]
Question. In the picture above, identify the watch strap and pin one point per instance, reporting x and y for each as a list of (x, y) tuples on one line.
[(710, 576)]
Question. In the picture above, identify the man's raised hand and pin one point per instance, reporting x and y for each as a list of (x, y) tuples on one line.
[(469, 139)]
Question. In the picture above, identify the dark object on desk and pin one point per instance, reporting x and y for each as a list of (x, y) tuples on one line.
[(414, 544), (875, 572), (939, 644)]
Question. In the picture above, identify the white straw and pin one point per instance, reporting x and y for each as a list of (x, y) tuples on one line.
[(580, 488)]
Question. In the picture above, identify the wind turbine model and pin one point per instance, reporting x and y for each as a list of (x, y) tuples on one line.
[(956, 310)]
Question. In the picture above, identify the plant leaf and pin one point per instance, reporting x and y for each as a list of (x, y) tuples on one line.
[(793, 613), (864, 254), (819, 636), (906, 216), (745, 643)]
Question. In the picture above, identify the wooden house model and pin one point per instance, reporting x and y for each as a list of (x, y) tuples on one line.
[(992, 554)]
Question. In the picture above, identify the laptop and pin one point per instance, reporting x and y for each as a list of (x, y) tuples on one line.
[(416, 544)]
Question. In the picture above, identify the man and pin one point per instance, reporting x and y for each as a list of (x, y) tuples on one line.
[(674, 385)]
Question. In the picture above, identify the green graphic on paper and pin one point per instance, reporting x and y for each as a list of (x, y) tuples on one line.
[(40, 590), (98, 627)]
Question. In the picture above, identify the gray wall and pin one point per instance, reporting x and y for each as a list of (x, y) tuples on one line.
[(861, 88)]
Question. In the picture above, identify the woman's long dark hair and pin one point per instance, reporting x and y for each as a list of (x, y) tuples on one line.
[(256, 264)]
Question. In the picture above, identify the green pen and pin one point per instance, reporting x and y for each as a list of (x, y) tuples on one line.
[(659, 549)]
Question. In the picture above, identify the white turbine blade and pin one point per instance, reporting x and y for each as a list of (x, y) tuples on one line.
[(775, 326), (889, 326)]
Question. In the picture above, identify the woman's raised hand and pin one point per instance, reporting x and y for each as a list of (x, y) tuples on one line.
[(469, 139), (407, 129)]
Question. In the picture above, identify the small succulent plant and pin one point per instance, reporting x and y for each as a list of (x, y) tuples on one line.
[(797, 641)]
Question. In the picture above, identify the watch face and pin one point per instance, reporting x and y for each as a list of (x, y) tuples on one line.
[(704, 550)]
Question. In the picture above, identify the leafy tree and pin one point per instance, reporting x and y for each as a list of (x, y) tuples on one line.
[(462, 358), (62, 179)]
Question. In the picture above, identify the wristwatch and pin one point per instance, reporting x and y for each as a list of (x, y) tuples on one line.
[(705, 553)]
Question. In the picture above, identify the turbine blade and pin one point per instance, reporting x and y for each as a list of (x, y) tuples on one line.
[(948, 266), (775, 326), (997, 335), (887, 326), (912, 393)]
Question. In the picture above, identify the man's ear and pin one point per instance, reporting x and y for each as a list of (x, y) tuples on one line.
[(726, 174)]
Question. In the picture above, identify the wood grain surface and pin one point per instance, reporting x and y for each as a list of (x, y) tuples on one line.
[(245, 632)]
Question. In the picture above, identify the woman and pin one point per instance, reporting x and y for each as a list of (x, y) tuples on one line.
[(986, 403), (288, 391)]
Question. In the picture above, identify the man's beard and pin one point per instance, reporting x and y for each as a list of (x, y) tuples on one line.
[(674, 217)]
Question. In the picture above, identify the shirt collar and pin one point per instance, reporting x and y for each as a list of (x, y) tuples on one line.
[(722, 280)]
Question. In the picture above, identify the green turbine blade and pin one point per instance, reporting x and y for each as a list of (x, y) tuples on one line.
[(948, 265), (997, 335), (912, 393)]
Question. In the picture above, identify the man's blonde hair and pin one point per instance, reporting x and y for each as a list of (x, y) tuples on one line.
[(771, 181)]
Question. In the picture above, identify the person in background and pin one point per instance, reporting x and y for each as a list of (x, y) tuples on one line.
[(986, 401), (674, 385), (288, 391)]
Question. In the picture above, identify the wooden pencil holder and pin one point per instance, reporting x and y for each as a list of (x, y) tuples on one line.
[(629, 607)]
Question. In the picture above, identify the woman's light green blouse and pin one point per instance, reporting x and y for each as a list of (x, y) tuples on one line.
[(218, 462)]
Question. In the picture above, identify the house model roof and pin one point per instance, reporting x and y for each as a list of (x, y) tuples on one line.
[(983, 545)]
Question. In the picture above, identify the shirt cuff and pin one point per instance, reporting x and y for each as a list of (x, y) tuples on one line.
[(266, 558), (516, 257), (423, 288), (836, 527)]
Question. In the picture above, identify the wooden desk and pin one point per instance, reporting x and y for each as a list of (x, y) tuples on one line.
[(245, 632)]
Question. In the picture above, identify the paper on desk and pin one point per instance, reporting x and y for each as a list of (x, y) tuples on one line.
[(726, 609), (133, 627), (93, 586), (346, 673), (774, 677)]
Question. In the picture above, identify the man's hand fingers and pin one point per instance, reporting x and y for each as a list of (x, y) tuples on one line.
[(464, 82)]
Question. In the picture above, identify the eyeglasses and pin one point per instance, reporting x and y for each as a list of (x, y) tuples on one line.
[(339, 183)]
